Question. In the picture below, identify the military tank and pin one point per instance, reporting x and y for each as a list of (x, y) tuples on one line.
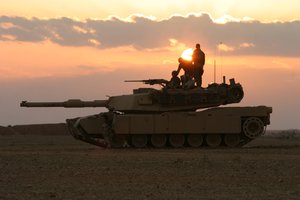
[(168, 117)]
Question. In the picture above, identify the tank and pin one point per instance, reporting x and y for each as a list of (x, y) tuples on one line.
[(171, 117)]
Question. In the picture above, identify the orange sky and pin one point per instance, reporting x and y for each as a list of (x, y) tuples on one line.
[(267, 10), (48, 59), (34, 61)]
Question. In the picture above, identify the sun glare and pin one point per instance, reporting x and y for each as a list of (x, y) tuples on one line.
[(187, 54)]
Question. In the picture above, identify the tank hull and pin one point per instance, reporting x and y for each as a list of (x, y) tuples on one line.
[(232, 126)]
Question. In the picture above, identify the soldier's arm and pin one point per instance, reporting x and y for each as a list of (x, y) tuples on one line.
[(179, 68)]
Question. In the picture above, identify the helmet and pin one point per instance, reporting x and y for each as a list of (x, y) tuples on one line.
[(180, 60), (174, 73)]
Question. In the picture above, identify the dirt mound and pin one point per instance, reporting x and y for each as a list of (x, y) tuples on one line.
[(35, 129)]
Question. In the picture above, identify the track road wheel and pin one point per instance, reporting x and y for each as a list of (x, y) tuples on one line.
[(195, 140), (158, 140), (253, 127), (176, 140), (139, 141), (213, 140), (232, 140)]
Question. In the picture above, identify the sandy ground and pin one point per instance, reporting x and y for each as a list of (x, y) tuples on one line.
[(59, 167)]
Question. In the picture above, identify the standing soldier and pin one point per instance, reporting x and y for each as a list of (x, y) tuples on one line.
[(198, 59)]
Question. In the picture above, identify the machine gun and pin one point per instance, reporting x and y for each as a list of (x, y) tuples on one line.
[(162, 82)]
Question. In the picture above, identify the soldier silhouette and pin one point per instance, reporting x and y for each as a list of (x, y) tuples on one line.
[(198, 60), (187, 67), (175, 81)]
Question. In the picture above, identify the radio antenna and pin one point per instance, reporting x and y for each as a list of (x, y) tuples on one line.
[(220, 52), (215, 70)]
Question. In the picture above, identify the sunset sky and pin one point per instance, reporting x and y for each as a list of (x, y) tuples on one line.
[(62, 49)]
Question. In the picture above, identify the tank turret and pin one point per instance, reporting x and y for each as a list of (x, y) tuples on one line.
[(150, 100)]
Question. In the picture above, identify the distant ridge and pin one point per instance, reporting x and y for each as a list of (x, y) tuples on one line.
[(35, 129), (284, 134)]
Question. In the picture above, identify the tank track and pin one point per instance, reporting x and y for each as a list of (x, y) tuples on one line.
[(156, 140)]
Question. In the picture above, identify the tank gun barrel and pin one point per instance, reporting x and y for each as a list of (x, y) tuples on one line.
[(71, 103)]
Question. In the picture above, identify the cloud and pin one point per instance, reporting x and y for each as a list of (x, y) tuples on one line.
[(7, 37), (243, 37), (224, 47), (247, 45)]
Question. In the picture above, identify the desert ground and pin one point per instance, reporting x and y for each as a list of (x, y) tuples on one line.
[(35, 165)]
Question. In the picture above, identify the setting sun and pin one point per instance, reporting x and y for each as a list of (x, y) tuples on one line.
[(187, 54)]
